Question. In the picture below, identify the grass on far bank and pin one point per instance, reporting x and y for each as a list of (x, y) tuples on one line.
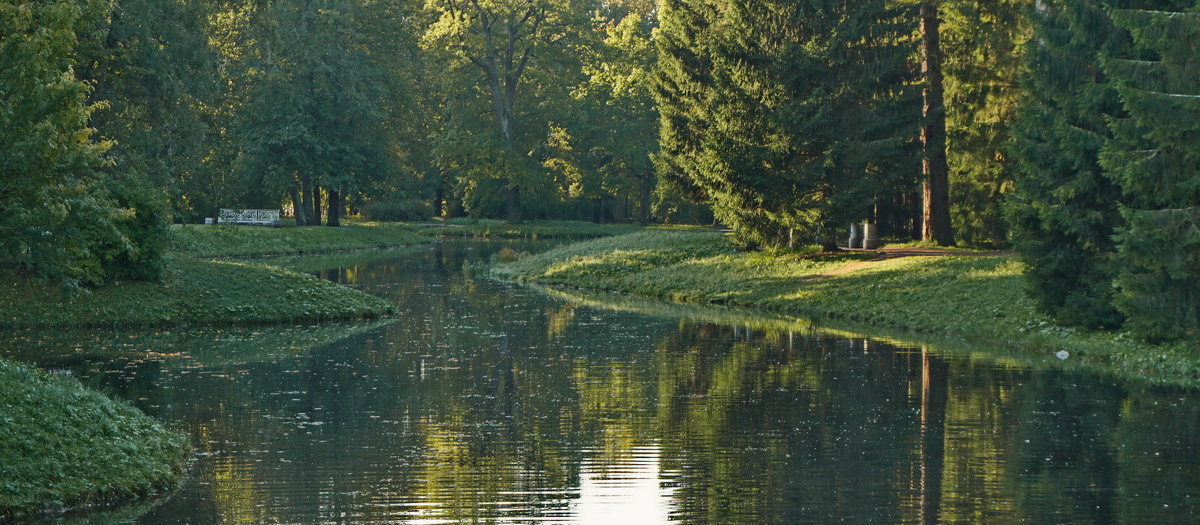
[(248, 241), (975, 299), (499, 229), (193, 291), (62, 445)]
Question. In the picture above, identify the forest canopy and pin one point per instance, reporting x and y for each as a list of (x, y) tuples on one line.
[(1066, 129)]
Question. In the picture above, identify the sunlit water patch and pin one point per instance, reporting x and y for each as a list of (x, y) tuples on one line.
[(490, 403)]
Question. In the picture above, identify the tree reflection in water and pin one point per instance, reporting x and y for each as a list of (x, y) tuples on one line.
[(486, 402)]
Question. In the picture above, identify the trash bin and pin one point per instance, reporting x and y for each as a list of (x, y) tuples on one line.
[(856, 236), (870, 236)]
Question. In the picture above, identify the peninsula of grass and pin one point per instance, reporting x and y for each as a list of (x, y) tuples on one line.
[(192, 292), (64, 446), (228, 240), (976, 299)]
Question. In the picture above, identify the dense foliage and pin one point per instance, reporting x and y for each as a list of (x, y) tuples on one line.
[(784, 120), (65, 212), (1106, 191), (67, 446), (1154, 158), (788, 117)]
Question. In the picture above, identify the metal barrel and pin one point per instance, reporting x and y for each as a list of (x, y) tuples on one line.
[(870, 236)]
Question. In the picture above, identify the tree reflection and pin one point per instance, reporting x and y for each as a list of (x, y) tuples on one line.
[(487, 403)]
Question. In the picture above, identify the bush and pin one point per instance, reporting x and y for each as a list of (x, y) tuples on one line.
[(404, 210)]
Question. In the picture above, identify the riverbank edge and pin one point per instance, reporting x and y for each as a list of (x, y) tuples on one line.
[(978, 300), (192, 292), (65, 447)]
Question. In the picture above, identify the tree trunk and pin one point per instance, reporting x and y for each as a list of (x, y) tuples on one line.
[(936, 227), (439, 198), (316, 205), (647, 188), (512, 201), (298, 207), (335, 208)]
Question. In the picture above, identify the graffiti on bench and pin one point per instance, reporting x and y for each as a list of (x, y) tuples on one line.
[(265, 217)]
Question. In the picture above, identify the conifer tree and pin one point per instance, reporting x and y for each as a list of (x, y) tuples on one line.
[(1064, 209), (1154, 157), (982, 42), (788, 118)]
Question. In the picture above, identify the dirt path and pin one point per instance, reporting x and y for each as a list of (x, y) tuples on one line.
[(887, 254)]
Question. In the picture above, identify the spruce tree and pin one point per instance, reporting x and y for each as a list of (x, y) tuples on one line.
[(1154, 157), (788, 118), (1064, 209)]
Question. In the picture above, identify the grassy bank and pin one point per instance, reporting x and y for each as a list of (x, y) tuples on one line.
[(973, 299), (498, 229), (62, 446), (194, 291), (249, 241)]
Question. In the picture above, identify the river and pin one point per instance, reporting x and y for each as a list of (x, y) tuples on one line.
[(487, 402)]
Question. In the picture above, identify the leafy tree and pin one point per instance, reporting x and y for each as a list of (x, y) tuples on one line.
[(314, 116), (787, 117), (1154, 157), (62, 214), (505, 40), (151, 64), (604, 148)]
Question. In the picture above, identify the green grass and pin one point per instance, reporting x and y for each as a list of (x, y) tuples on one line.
[(247, 241), (62, 446), (497, 229), (194, 291), (978, 300)]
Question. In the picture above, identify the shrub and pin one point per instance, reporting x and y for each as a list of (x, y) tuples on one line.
[(507, 254), (403, 210)]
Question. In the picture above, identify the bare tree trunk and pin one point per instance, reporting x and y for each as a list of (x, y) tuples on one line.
[(335, 208), (936, 214)]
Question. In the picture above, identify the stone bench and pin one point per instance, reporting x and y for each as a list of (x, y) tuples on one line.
[(258, 217)]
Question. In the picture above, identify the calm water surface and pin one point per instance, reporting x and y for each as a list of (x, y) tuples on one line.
[(492, 403)]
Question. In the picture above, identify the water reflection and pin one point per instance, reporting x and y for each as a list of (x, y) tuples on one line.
[(498, 404)]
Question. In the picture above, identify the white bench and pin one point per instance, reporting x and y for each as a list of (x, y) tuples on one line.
[(259, 217)]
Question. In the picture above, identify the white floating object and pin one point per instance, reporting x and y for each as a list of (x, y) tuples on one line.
[(1062, 354)]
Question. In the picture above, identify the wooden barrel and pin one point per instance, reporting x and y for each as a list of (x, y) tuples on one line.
[(870, 236)]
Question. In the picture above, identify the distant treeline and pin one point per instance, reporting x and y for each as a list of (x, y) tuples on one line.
[(1069, 129)]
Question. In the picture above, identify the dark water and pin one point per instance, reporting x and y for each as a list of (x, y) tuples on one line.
[(492, 403)]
